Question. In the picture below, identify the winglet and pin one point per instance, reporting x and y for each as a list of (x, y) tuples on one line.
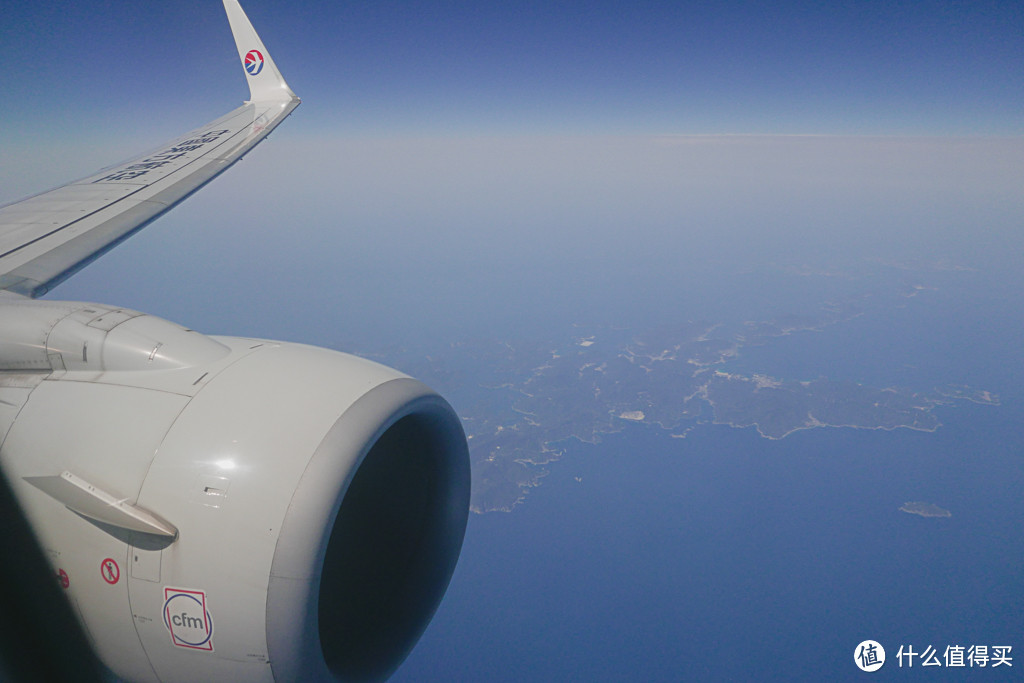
[(265, 81)]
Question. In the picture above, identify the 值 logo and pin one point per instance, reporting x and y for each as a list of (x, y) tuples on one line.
[(253, 62), (869, 655), (187, 618)]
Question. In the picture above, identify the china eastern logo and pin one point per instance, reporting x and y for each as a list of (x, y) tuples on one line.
[(253, 62), (187, 618)]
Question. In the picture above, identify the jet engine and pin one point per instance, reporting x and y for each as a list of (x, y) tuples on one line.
[(220, 508)]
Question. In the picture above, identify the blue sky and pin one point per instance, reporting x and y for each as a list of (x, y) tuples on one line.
[(538, 67), (456, 151)]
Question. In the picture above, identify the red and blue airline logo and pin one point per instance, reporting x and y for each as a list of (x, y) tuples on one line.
[(253, 62)]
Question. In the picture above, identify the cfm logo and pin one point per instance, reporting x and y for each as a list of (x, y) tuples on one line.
[(253, 62), (187, 618)]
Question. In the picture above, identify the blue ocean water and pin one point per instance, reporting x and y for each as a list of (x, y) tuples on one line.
[(727, 556)]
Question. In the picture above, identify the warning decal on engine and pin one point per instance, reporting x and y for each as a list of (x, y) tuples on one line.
[(187, 618)]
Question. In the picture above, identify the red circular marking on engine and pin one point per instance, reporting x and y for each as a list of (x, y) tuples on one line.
[(110, 572), (62, 576)]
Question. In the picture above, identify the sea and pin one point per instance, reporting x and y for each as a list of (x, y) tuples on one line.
[(727, 556)]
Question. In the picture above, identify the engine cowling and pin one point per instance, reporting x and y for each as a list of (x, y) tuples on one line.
[(225, 508)]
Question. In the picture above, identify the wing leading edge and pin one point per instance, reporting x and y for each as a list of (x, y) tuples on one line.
[(46, 238)]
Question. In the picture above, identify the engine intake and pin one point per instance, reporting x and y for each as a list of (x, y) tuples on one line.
[(390, 542)]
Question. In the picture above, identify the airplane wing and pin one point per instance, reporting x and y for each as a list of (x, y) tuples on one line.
[(46, 238), (349, 482)]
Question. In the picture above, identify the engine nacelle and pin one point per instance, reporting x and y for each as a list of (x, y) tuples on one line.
[(229, 509)]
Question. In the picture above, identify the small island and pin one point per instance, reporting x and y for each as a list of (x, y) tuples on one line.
[(925, 509)]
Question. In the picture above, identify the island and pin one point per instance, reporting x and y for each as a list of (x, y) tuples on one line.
[(925, 509), (524, 402)]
